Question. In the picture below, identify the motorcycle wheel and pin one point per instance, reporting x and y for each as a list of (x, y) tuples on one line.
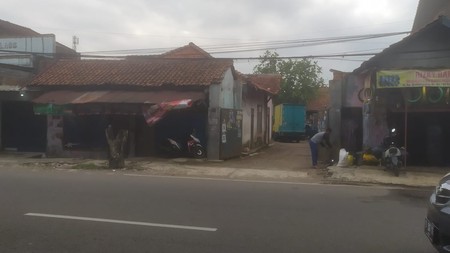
[(395, 166), (396, 170), (198, 152), (388, 166)]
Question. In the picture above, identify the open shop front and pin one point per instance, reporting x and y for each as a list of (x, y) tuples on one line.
[(77, 129), (21, 129), (416, 104)]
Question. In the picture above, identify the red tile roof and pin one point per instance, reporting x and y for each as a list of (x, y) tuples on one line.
[(155, 72), (321, 102), (267, 82), (189, 51)]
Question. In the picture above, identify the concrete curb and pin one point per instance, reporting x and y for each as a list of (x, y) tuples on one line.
[(222, 172), (377, 175), (184, 168)]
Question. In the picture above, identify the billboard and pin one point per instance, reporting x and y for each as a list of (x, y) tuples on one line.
[(413, 78), (19, 50)]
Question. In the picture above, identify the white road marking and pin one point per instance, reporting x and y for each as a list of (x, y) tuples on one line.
[(56, 216)]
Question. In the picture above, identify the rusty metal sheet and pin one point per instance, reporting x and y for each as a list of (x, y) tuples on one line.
[(130, 97), (56, 97), (89, 97)]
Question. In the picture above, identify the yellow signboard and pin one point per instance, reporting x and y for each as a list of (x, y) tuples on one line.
[(413, 78)]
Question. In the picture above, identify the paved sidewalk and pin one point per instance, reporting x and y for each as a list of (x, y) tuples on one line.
[(250, 168), (219, 171), (414, 176)]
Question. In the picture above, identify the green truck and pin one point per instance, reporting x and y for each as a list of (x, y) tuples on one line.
[(289, 122)]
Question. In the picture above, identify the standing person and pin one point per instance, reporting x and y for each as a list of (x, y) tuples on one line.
[(322, 138)]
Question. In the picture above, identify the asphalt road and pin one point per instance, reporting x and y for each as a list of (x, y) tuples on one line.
[(98, 211)]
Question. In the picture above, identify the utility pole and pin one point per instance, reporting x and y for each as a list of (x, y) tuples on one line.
[(75, 42)]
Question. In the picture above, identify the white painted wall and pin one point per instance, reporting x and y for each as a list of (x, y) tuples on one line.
[(226, 95), (250, 100), (228, 98)]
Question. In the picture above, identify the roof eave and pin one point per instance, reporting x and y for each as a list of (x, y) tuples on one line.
[(367, 65)]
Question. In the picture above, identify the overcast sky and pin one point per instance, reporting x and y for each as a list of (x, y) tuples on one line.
[(104, 25)]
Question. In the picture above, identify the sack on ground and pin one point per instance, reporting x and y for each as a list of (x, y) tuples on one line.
[(343, 158)]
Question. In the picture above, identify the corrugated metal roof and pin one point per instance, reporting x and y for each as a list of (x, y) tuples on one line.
[(130, 97), (152, 72), (428, 11), (442, 21)]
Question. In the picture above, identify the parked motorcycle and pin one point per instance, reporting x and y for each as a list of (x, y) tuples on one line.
[(392, 155), (193, 147), (388, 154)]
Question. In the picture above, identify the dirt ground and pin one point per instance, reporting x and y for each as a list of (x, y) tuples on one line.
[(279, 155)]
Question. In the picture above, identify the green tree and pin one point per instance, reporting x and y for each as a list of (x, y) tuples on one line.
[(300, 78)]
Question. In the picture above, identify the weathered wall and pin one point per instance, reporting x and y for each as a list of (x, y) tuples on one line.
[(251, 100), (374, 114), (14, 77), (351, 91), (213, 151), (230, 133), (269, 123), (55, 135), (227, 91), (375, 126), (428, 11), (334, 115), (227, 95)]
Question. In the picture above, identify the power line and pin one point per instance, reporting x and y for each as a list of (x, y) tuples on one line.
[(317, 56), (342, 55), (262, 45), (307, 56)]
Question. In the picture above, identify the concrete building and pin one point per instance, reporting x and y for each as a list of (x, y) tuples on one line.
[(257, 109), (82, 97), (24, 52), (406, 87)]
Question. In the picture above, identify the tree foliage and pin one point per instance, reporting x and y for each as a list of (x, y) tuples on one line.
[(300, 78)]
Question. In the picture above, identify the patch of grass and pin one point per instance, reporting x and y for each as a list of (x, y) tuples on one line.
[(88, 166)]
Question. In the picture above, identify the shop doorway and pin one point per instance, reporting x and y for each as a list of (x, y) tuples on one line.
[(427, 137)]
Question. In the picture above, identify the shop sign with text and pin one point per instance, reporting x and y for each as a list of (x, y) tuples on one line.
[(413, 78)]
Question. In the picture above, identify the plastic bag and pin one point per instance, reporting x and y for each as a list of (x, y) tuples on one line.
[(343, 158)]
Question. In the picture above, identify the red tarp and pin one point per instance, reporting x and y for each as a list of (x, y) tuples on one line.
[(158, 111)]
